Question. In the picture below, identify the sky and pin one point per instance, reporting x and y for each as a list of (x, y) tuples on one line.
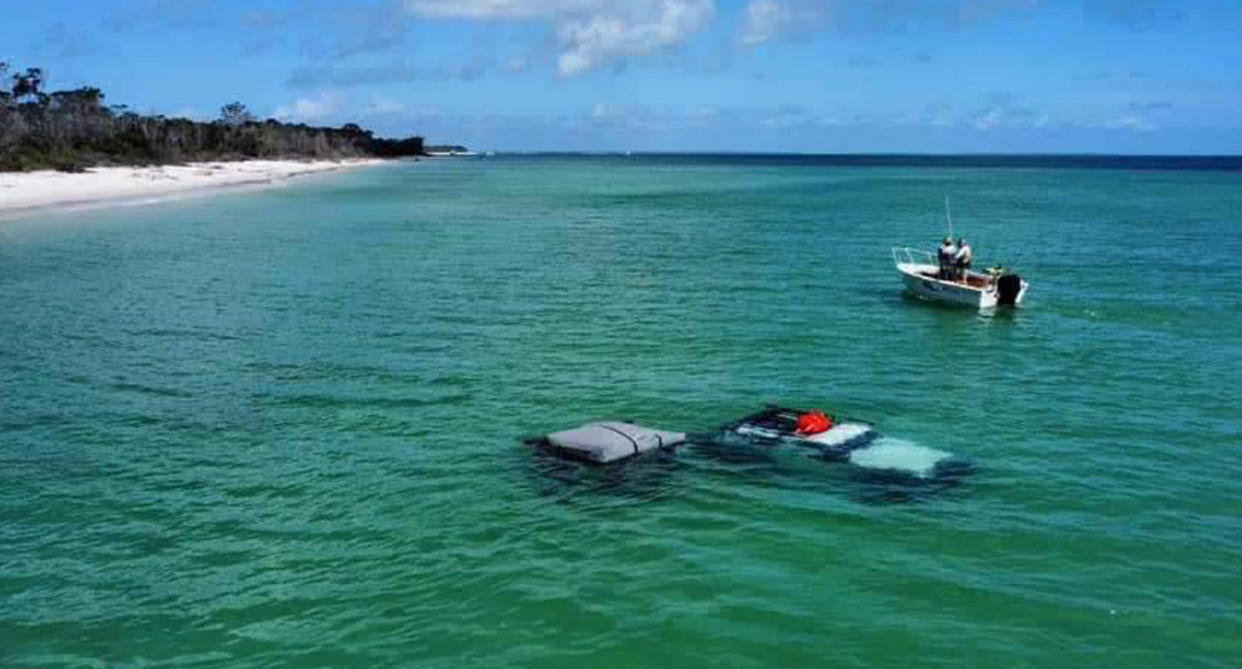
[(830, 76)]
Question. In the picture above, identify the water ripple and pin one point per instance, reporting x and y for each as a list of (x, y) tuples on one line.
[(237, 435)]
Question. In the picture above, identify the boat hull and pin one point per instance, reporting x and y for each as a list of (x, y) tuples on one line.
[(919, 283)]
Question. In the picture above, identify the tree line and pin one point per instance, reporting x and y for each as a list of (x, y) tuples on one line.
[(71, 130)]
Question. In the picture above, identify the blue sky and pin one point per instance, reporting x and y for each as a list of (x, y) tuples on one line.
[(1054, 76)]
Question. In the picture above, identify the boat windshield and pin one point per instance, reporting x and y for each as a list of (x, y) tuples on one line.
[(909, 256)]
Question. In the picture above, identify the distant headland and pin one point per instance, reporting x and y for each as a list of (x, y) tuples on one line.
[(449, 150)]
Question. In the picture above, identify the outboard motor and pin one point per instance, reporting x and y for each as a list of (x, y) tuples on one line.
[(1008, 287)]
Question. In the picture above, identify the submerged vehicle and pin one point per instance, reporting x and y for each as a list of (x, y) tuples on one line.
[(844, 439), (836, 438), (982, 290)]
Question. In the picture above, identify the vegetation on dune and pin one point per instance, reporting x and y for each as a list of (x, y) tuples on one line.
[(71, 130)]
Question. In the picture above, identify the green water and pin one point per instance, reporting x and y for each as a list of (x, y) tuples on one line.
[(282, 428)]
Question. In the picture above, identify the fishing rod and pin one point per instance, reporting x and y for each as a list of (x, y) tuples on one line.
[(948, 215)]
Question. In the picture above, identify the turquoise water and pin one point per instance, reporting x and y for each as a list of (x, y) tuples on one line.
[(283, 428)]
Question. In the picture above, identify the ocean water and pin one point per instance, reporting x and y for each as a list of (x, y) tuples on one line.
[(284, 428)]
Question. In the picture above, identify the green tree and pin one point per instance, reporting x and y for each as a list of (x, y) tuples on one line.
[(235, 114), (81, 100), (29, 85), (72, 129)]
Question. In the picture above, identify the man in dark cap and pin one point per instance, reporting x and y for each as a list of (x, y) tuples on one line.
[(947, 257)]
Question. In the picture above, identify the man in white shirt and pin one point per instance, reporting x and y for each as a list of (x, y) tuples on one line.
[(962, 258)]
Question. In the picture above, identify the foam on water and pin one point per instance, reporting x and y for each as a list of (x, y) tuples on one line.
[(900, 455)]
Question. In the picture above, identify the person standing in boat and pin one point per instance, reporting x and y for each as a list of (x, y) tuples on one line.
[(948, 256), (963, 258)]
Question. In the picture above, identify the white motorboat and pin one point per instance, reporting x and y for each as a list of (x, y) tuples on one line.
[(921, 273)]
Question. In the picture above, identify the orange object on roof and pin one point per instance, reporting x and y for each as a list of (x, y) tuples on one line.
[(814, 422)]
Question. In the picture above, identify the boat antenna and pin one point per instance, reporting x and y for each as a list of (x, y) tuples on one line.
[(948, 215)]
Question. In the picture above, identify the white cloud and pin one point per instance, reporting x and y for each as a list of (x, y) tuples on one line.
[(988, 120), (602, 38), (499, 9), (603, 115), (383, 107), (1128, 123), (322, 105), (516, 64), (332, 105), (768, 20), (1003, 113), (786, 116), (603, 112), (590, 33), (765, 19)]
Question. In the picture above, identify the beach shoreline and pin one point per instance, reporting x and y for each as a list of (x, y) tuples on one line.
[(26, 193)]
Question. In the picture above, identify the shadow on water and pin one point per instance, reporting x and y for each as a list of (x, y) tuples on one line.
[(652, 476), (793, 465), (890, 486), (1002, 314), (908, 299), (644, 478), (742, 453)]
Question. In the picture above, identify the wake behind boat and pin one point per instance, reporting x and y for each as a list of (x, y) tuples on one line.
[(925, 278)]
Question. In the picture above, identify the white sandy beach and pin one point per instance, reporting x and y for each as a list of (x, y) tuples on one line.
[(26, 191)]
